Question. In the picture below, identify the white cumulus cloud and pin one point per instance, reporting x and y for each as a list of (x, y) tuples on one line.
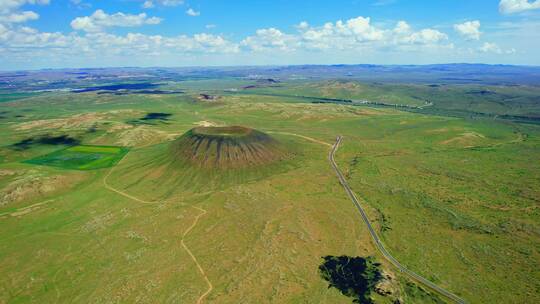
[(489, 47), (517, 6), (10, 13), (100, 20), (214, 43), (355, 38), (469, 29), (353, 34), (170, 2), (270, 38), (303, 25), (7, 6), (403, 34), (148, 4), (22, 43), (402, 27), (340, 34), (425, 36), (153, 3), (193, 12), (19, 17)]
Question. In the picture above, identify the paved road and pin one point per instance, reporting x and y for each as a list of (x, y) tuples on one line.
[(375, 237)]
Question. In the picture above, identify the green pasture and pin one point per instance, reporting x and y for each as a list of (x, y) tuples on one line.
[(82, 157), (453, 199)]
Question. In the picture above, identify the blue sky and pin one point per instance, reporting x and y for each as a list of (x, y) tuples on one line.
[(101, 33)]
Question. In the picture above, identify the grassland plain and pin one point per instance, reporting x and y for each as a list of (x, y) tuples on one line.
[(456, 201), (463, 100), (470, 188)]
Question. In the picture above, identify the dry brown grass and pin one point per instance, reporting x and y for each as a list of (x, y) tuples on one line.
[(140, 135), (78, 121), (300, 111), (466, 139), (30, 185)]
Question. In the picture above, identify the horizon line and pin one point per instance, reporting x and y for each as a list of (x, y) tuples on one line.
[(262, 65)]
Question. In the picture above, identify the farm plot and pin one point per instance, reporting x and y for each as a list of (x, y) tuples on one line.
[(82, 157)]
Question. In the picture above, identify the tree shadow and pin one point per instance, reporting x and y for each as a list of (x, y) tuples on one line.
[(354, 277)]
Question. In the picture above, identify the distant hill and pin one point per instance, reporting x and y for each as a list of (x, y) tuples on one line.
[(458, 73)]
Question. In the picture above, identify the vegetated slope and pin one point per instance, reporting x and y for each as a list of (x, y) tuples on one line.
[(226, 148), (205, 159)]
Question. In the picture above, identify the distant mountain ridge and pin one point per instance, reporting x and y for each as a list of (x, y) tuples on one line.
[(458, 73)]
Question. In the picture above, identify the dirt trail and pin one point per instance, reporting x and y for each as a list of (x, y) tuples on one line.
[(201, 270), (109, 187), (302, 136), (25, 210), (186, 248)]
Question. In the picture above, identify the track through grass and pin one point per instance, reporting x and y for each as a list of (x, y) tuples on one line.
[(184, 235)]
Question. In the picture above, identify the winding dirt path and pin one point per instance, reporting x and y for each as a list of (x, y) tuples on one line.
[(110, 188), (302, 136), (201, 270), (186, 248), (25, 210)]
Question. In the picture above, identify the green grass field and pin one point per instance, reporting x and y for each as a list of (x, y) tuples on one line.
[(440, 99), (6, 96), (454, 199), (82, 157)]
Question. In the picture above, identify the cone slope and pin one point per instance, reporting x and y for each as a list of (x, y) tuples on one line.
[(227, 148)]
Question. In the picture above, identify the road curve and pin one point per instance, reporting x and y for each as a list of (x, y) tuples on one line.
[(375, 237)]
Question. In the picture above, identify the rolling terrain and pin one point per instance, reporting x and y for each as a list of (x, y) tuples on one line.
[(220, 190)]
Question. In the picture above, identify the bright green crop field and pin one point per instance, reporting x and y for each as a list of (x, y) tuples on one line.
[(82, 157), (115, 218)]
